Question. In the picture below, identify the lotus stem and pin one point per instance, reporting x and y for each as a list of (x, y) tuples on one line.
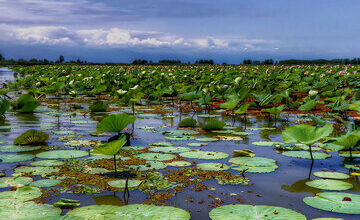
[(115, 165), (126, 190), (311, 154)]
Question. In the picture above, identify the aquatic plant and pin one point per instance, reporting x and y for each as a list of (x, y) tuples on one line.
[(4, 106), (99, 106), (115, 123), (32, 137), (26, 104), (187, 122), (214, 125)]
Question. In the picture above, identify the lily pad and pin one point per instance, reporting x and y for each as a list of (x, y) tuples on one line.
[(253, 161), (13, 181), (162, 144), (241, 133), (194, 144), (45, 183), (14, 148), (13, 158), (34, 171), (150, 165), (156, 156), (180, 132), (180, 163), (213, 166), (29, 210), (67, 203), (206, 155), (206, 139), (136, 211), (250, 169), (47, 163), (22, 194), (327, 184), (179, 138), (240, 212), (62, 154), (63, 132), (266, 143), (331, 175), (346, 203), (306, 155), (132, 184), (169, 149)]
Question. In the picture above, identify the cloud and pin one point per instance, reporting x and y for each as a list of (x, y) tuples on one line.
[(120, 38)]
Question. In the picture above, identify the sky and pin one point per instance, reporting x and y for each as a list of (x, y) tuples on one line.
[(188, 30)]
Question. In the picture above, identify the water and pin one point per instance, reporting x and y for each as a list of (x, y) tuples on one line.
[(285, 187), (6, 74)]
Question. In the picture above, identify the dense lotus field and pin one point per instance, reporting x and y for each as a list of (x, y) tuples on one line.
[(180, 142)]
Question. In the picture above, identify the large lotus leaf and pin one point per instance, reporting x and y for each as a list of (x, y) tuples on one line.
[(24, 193), (162, 144), (266, 143), (62, 154), (4, 106), (45, 183), (347, 154), (206, 139), (30, 211), (32, 137), (275, 110), (26, 103), (348, 140), (242, 108), (13, 148), (346, 203), (255, 169), (253, 161), (155, 156), (331, 175), (306, 155), (136, 211), (67, 203), (232, 102), (115, 123), (110, 148), (241, 212), (13, 181), (13, 158), (169, 149), (305, 134), (206, 155), (179, 138), (132, 184), (213, 166), (34, 171), (150, 165), (329, 184), (180, 163), (47, 163), (179, 132), (63, 132)]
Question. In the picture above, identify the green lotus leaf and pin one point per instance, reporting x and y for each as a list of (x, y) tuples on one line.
[(266, 143), (305, 134), (346, 203), (110, 148), (194, 144), (327, 184), (179, 138), (213, 166), (30, 211), (62, 154), (26, 103), (136, 211), (132, 184), (162, 144), (214, 125), (13, 148), (240, 212), (32, 137), (331, 175), (180, 163), (208, 116), (34, 171), (63, 132), (255, 169), (241, 133), (115, 123), (47, 163), (21, 194), (13, 181), (306, 155), (206, 139), (13, 158), (205, 155), (45, 183), (187, 122), (253, 161), (156, 156), (180, 132), (150, 165), (348, 140), (169, 149)]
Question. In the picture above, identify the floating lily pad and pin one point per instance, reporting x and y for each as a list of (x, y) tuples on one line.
[(206, 139), (133, 148), (67, 203), (45, 183), (47, 163), (98, 170), (132, 184), (250, 169), (229, 138), (169, 149), (150, 165), (180, 163), (241, 133), (346, 203), (13, 158), (223, 131), (253, 161), (180, 132), (9, 127), (24, 193), (82, 143), (327, 184), (347, 153), (306, 155), (148, 115), (63, 132), (34, 171), (266, 143), (331, 175), (162, 144), (14, 148), (13, 181), (29, 210), (62, 154), (136, 211), (260, 129), (213, 166), (239, 212), (194, 144), (83, 122), (156, 156), (208, 116), (179, 138), (207, 155), (146, 127)]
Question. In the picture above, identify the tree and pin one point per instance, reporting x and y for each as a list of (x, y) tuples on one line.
[(2, 57), (61, 59)]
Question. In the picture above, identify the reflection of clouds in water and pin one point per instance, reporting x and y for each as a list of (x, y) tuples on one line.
[(6, 74)]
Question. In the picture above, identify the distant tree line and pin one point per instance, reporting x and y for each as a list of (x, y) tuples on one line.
[(33, 61)]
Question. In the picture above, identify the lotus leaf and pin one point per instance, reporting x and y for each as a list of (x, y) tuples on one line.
[(155, 156), (305, 134), (13, 148), (205, 155), (62, 154), (45, 183), (327, 184), (213, 166), (30, 211), (13, 158), (115, 123), (13, 181), (331, 175), (306, 155), (47, 163)]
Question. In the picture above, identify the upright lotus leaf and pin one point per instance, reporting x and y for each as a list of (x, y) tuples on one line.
[(32, 137), (242, 212), (309, 105), (4, 106), (305, 134), (110, 148), (275, 110), (115, 123), (242, 109), (214, 125), (187, 122), (349, 140), (232, 101), (26, 104), (346, 203)]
